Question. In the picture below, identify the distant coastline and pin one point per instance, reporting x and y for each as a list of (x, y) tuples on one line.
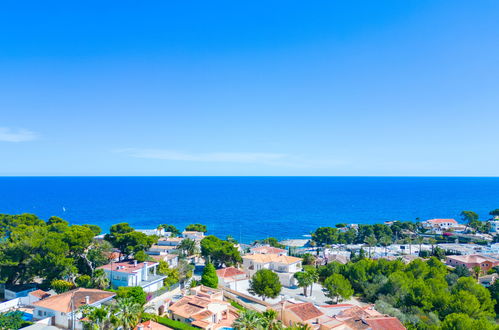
[(247, 208)]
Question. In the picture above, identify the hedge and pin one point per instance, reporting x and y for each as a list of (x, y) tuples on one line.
[(176, 325)]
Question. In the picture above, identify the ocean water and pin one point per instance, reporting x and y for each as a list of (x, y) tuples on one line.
[(247, 208)]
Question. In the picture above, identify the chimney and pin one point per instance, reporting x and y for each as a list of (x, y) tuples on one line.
[(135, 263), (87, 300)]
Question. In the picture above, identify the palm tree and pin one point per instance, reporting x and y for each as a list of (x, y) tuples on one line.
[(408, 240), (432, 241), (385, 241), (300, 326), (476, 272), (420, 241), (100, 279), (188, 246), (128, 313), (249, 320), (98, 317), (370, 241), (270, 320)]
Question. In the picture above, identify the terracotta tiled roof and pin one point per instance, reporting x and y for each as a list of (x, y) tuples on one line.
[(202, 315), (441, 221), (128, 267), (229, 272), (267, 258), (151, 325), (384, 323), (473, 259), (267, 249), (305, 311), (40, 294), (189, 305), (201, 324), (72, 300)]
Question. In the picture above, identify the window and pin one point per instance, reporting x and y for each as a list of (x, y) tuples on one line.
[(39, 313)]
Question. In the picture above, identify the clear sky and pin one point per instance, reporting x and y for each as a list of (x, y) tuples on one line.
[(249, 87)]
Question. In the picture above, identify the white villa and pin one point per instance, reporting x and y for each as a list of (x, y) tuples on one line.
[(284, 266), (133, 273), (195, 235)]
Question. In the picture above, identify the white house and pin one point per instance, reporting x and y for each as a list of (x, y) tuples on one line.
[(284, 266), (169, 241), (441, 224), (195, 235), (494, 226), (133, 273), (64, 307), (230, 277), (266, 249)]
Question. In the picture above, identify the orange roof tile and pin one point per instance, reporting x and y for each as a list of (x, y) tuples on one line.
[(267, 258), (151, 325), (40, 294), (72, 300), (305, 311), (229, 272)]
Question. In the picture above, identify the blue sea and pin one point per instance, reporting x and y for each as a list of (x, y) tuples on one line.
[(247, 208)]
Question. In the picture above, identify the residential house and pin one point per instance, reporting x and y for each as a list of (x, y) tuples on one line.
[(170, 241), (195, 235), (36, 295), (133, 273), (154, 232), (18, 291), (204, 308), (494, 226), (64, 308), (231, 276), (266, 249), (161, 250), (284, 266), (440, 224), (171, 259), (470, 261), (338, 317)]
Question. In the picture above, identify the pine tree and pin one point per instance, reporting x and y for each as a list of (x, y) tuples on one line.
[(209, 277)]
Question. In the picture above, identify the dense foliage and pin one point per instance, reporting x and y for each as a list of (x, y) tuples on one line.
[(220, 253), (123, 237), (209, 277), (384, 234), (197, 227), (31, 248), (422, 294)]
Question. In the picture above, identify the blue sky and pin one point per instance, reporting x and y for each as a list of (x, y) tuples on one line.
[(249, 88)]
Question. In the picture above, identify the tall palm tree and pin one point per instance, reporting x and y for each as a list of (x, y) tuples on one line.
[(420, 241), (432, 241), (188, 246), (127, 313), (371, 241), (98, 317), (385, 241), (270, 320), (249, 320)]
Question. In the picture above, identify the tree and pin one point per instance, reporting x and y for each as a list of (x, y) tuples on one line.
[(196, 227), (128, 312), (249, 320), (188, 247), (306, 279), (209, 277), (469, 217), (96, 318), (100, 279), (308, 259), (171, 229), (141, 256), (11, 320), (494, 213), (272, 241), (84, 281), (338, 287), (420, 241), (133, 242), (94, 228), (385, 242), (265, 283), (325, 235), (172, 274), (135, 293), (371, 241), (220, 253), (61, 286)]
